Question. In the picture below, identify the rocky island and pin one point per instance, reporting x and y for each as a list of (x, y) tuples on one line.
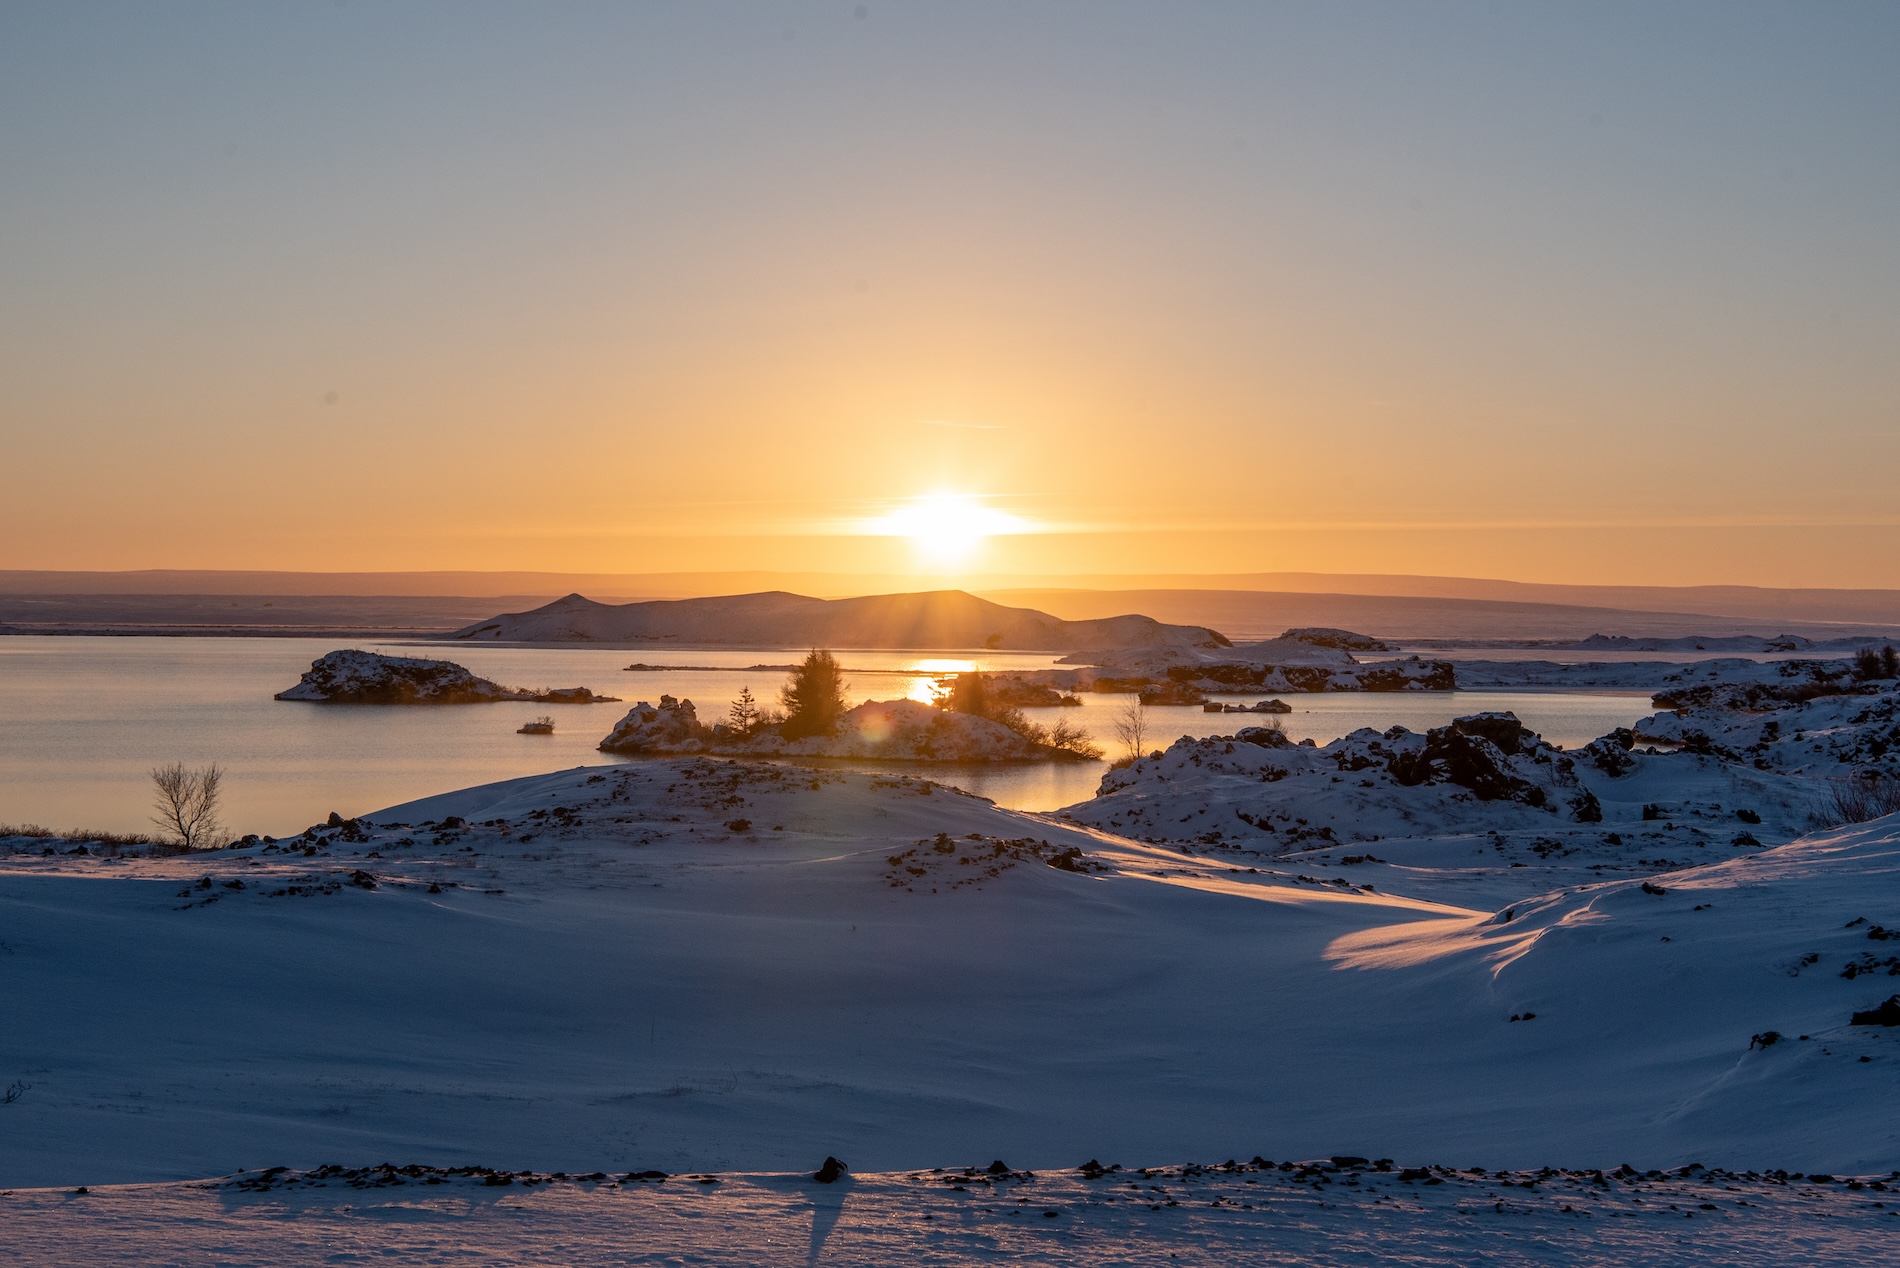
[(880, 730), (358, 677)]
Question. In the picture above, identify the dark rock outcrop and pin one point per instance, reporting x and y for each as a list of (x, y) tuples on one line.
[(358, 677)]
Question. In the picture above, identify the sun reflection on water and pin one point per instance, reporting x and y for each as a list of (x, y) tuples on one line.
[(925, 690)]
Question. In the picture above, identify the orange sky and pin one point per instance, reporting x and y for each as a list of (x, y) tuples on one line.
[(1602, 296)]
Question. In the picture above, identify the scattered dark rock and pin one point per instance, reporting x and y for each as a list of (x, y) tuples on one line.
[(830, 1172), (1611, 753), (1888, 1014)]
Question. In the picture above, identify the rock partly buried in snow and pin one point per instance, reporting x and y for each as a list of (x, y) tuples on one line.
[(1410, 674), (1888, 1014), (1395, 783), (672, 726), (357, 677), (1809, 724), (1258, 791), (884, 730)]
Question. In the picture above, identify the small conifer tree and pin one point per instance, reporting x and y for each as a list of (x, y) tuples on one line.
[(743, 716), (813, 697)]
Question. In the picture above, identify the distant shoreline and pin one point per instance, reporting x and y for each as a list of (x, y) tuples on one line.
[(226, 631)]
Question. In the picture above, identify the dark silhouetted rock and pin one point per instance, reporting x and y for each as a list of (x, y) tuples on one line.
[(1888, 1014)]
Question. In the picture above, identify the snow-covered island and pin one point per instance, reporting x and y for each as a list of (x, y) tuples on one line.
[(1300, 660), (877, 730), (358, 677)]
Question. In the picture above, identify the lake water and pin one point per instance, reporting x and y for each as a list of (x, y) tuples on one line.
[(82, 721)]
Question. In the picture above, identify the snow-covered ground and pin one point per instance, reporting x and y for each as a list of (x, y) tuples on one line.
[(698, 965), (1461, 947), (1236, 1212)]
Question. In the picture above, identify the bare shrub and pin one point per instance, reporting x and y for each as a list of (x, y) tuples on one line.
[(1129, 725), (974, 694), (186, 799), (1066, 737), (106, 842), (1876, 662), (1859, 799)]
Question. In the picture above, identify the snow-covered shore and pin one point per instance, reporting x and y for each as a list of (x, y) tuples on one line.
[(1318, 1212), (705, 965)]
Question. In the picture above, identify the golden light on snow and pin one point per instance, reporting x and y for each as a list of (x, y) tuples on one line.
[(946, 528)]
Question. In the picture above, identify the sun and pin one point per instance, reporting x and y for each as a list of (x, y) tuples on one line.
[(946, 528)]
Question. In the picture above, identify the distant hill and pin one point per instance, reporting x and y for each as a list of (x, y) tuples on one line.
[(1761, 608), (931, 620), (1254, 614), (350, 605)]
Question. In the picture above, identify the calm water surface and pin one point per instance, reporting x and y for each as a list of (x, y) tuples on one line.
[(82, 720)]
